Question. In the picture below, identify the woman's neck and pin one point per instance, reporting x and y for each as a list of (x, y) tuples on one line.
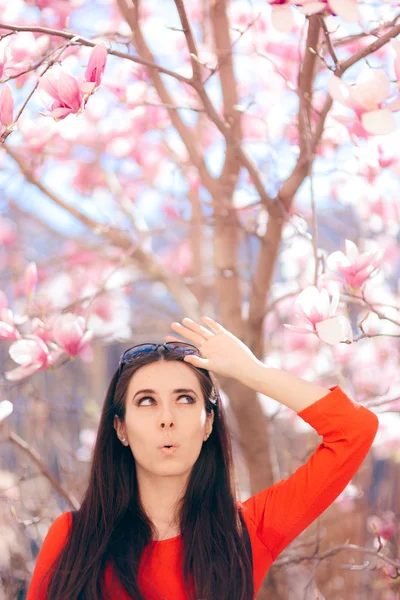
[(160, 498), (165, 531)]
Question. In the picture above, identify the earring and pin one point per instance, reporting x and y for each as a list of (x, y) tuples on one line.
[(123, 440)]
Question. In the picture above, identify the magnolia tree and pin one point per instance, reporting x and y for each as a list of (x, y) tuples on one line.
[(240, 160)]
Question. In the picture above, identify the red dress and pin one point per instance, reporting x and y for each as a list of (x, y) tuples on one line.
[(274, 517)]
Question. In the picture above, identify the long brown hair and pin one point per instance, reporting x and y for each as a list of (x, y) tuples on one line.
[(111, 524)]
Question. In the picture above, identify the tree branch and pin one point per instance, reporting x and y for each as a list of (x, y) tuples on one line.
[(35, 457), (341, 68), (287, 560), (120, 239), (79, 40), (131, 15), (220, 24), (305, 90), (187, 30)]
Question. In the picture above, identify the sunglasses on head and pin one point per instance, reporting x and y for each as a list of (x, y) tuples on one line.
[(129, 355), (181, 348)]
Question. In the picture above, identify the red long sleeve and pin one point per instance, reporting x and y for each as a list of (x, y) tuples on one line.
[(278, 514), (54, 542), (274, 516)]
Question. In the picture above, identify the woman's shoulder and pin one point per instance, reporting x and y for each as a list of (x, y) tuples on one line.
[(53, 543), (63, 521), (60, 528)]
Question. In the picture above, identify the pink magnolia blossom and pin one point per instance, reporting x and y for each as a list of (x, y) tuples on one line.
[(18, 52), (385, 527), (8, 330), (66, 92), (9, 60), (70, 94), (283, 19), (315, 313), (30, 279), (32, 354), (370, 98), (6, 106), (95, 67), (352, 267), (70, 333)]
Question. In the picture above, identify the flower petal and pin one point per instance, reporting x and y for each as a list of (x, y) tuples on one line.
[(334, 330), (96, 65), (307, 299), (336, 259), (312, 8), (8, 332), (298, 329), (22, 372), (60, 113), (27, 351), (352, 251), (335, 293), (346, 9), (338, 89), (6, 106), (379, 122), (69, 91), (282, 18), (372, 87)]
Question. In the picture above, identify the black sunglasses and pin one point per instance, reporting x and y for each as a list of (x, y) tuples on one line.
[(129, 355), (181, 348)]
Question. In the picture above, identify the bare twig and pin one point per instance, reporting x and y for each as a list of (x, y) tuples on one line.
[(295, 559), (79, 40), (117, 238), (35, 457), (328, 40)]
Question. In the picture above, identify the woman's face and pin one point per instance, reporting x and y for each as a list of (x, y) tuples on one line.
[(165, 416)]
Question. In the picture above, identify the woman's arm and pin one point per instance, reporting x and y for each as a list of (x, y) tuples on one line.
[(282, 511), (292, 391)]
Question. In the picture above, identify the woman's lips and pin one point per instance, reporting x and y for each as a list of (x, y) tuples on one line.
[(170, 450)]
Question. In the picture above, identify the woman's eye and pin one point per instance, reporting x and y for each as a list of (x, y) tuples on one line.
[(191, 400)]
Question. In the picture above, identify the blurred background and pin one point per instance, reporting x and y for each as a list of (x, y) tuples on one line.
[(150, 171)]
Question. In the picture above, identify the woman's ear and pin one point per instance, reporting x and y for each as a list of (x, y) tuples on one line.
[(119, 428)]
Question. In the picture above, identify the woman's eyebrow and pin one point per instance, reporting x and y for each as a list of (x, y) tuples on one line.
[(177, 391)]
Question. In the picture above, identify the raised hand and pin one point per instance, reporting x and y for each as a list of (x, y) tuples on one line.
[(221, 351)]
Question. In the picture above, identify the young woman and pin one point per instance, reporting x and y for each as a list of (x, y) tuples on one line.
[(165, 524)]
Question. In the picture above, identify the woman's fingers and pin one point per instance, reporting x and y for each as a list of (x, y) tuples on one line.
[(187, 333), (195, 333), (197, 328), (213, 325)]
